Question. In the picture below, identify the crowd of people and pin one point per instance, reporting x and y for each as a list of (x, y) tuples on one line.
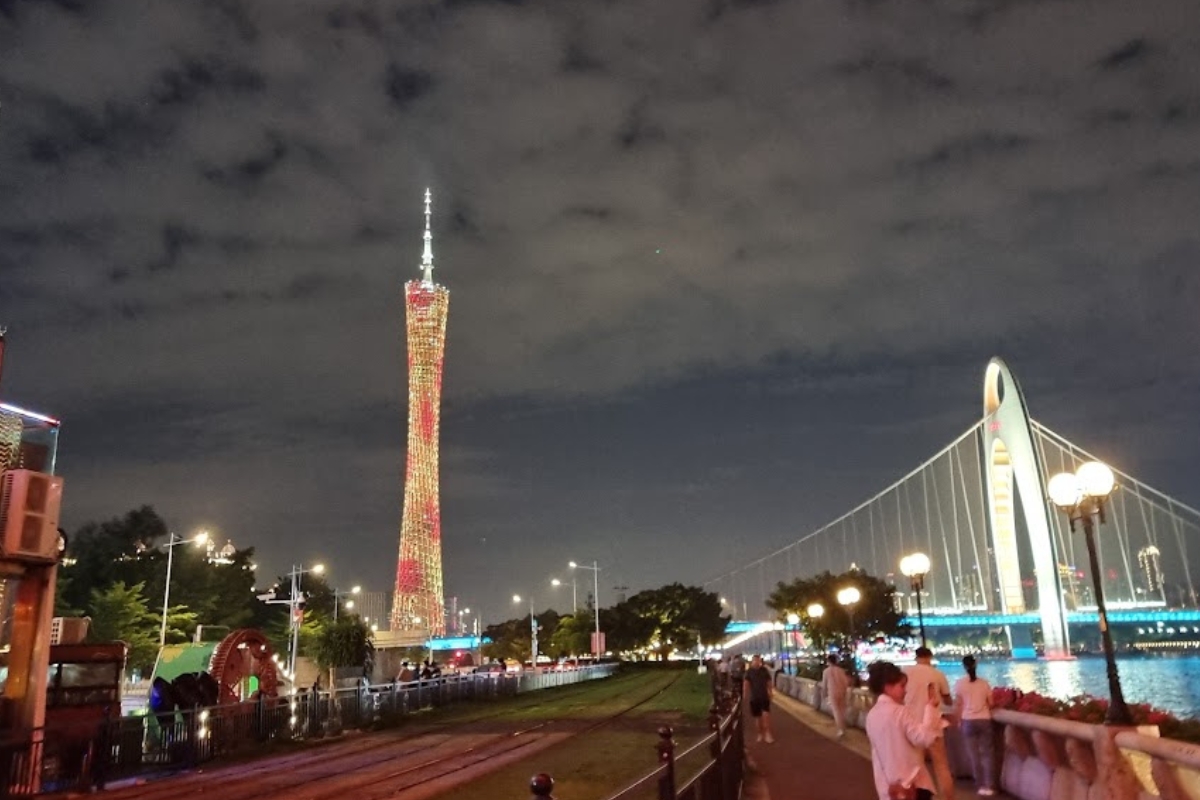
[(906, 726)]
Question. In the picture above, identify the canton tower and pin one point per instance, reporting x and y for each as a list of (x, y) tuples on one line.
[(418, 604)]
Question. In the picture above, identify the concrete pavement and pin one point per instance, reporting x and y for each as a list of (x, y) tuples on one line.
[(807, 762)]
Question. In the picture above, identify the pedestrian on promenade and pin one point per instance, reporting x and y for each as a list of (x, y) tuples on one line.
[(835, 683), (899, 738), (922, 677), (759, 689), (973, 706)]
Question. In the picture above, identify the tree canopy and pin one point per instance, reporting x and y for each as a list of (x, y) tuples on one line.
[(873, 615)]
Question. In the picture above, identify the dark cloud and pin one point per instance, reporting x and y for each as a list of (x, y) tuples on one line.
[(718, 271)]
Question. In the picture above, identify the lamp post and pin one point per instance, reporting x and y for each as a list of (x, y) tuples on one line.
[(793, 619), (533, 626), (296, 598), (848, 597), (174, 541), (1081, 496), (916, 567), (574, 593), (337, 599), (595, 602), (815, 611)]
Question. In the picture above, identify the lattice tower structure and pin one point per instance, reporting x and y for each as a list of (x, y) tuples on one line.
[(419, 603)]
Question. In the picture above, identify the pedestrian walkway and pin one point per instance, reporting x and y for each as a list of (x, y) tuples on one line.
[(807, 762)]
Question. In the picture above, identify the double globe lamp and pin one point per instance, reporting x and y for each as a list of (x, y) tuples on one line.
[(1081, 496)]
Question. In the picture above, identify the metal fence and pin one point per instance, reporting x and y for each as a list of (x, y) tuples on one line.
[(88, 754), (717, 776)]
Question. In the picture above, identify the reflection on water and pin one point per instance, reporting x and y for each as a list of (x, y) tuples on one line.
[(1171, 683)]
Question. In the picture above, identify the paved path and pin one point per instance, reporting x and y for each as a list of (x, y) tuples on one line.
[(806, 762)]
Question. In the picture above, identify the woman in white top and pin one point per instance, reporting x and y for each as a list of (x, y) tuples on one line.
[(973, 705), (898, 737)]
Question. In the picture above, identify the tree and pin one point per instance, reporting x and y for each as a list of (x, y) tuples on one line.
[(120, 613), (571, 637), (874, 614), (101, 554), (676, 617), (344, 643)]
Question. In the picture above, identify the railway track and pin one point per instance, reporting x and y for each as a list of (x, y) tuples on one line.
[(388, 764)]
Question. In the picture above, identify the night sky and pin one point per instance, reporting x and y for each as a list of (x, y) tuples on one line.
[(719, 269)]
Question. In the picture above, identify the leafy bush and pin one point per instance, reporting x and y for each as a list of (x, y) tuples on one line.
[(1085, 708)]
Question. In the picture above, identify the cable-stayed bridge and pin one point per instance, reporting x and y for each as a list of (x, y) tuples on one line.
[(1000, 552)]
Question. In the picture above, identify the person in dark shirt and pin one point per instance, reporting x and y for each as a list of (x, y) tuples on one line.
[(758, 690)]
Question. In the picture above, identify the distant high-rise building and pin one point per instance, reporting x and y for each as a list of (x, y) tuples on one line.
[(418, 601), (1149, 563)]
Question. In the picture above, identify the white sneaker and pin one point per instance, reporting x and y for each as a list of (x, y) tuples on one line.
[(841, 734), (758, 738), (986, 792), (770, 739)]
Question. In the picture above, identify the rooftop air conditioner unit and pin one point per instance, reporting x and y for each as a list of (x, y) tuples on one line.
[(29, 505)]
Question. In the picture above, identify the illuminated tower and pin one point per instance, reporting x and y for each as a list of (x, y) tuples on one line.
[(418, 602)]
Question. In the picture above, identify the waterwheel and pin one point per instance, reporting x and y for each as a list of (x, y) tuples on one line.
[(241, 655)]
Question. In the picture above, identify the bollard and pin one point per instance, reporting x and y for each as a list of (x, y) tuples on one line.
[(666, 757), (541, 785)]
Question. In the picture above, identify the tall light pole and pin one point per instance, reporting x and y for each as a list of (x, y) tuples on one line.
[(174, 541), (533, 648), (595, 568), (847, 598), (574, 593), (815, 611), (916, 567), (337, 599), (1081, 495), (293, 605), (793, 619)]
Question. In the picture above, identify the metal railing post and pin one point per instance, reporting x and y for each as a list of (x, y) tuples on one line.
[(666, 757)]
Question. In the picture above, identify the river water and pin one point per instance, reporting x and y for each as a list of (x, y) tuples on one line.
[(1169, 682)]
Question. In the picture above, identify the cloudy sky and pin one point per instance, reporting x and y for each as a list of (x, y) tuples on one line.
[(719, 269)]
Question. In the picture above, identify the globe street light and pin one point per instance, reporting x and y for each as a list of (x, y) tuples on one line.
[(172, 542), (848, 597), (595, 601), (533, 626), (1082, 496), (916, 567), (793, 619), (337, 595)]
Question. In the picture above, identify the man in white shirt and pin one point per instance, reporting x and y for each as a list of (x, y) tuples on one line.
[(835, 682), (921, 676)]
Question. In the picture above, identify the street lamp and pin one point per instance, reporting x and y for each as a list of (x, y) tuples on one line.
[(848, 597), (595, 602), (533, 648), (1082, 496), (338, 595), (174, 541), (916, 567), (293, 604), (574, 593), (793, 619)]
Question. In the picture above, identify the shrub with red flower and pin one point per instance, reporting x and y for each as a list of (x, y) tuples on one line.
[(1085, 708)]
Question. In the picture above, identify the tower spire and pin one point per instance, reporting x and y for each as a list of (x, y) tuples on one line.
[(427, 256)]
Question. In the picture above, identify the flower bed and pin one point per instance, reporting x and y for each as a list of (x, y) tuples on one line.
[(1085, 708)]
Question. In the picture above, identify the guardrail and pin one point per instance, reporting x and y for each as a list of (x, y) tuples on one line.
[(1044, 758), (718, 777), (86, 755)]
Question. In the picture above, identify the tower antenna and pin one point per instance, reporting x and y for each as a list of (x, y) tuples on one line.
[(427, 256)]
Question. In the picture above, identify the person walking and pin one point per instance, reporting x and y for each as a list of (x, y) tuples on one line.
[(759, 690), (899, 737), (973, 706), (924, 677), (835, 683)]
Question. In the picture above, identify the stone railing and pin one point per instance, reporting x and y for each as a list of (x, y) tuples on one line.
[(1046, 758)]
